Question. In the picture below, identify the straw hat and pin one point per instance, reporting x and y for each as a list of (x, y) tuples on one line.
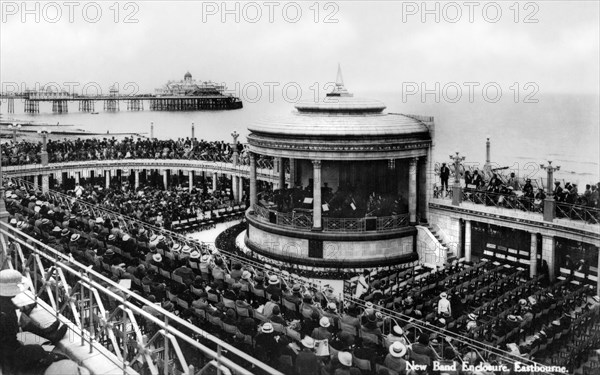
[(126, 237), (186, 249), (308, 342), (75, 237), (331, 306), (176, 247), (397, 331), (157, 258), (246, 275), (195, 254), (267, 328), (205, 258), (345, 358), (273, 279), (472, 316), (99, 220), (444, 295), (397, 349), (11, 283), (324, 322)]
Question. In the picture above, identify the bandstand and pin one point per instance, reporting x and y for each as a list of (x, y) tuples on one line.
[(352, 183)]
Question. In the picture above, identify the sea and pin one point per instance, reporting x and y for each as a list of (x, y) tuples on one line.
[(561, 128)]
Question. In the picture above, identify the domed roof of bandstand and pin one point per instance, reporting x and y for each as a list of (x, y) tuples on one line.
[(339, 115)]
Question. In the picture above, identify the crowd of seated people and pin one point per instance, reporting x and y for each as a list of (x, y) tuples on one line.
[(346, 201), (152, 204), (490, 303), (83, 149), (300, 329)]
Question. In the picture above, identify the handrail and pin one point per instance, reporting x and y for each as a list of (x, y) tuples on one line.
[(262, 173), (84, 273)]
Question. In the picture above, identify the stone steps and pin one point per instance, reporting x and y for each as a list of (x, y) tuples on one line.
[(450, 255)]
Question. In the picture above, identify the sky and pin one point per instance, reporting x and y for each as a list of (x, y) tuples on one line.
[(381, 45)]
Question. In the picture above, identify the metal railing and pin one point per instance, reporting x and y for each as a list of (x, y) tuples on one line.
[(334, 224), (578, 212), (304, 221), (296, 220), (563, 210), (138, 332)]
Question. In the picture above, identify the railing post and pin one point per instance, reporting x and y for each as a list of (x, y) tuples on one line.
[(35, 295), (124, 335), (91, 312), (166, 351), (81, 308)]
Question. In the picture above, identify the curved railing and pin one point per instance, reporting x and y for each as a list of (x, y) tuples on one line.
[(265, 174), (516, 202), (304, 221)]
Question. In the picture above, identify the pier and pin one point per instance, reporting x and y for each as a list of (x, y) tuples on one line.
[(111, 103)]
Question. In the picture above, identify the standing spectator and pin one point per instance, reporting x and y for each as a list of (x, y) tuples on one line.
[(362, 285), (513, 181), (444, 176), (444, 307)]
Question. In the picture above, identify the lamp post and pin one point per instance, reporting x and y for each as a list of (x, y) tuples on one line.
[(152, 130), (456, 188), (192, 131), (549, 202), (44, 156), (14, 128)]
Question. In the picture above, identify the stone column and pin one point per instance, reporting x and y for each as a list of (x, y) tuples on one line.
[(240, 189), (533, 256), (292, 173), (317, 195), (598, 281), (281, 170), (35, 182), (423, 189), (165, 178), (468, 240), (252, 181), (137, 179), (549, 254), (58, 177), (234, 185), (214, 181), (191, 179), (412, 190), (45, 183), (107, 179)]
